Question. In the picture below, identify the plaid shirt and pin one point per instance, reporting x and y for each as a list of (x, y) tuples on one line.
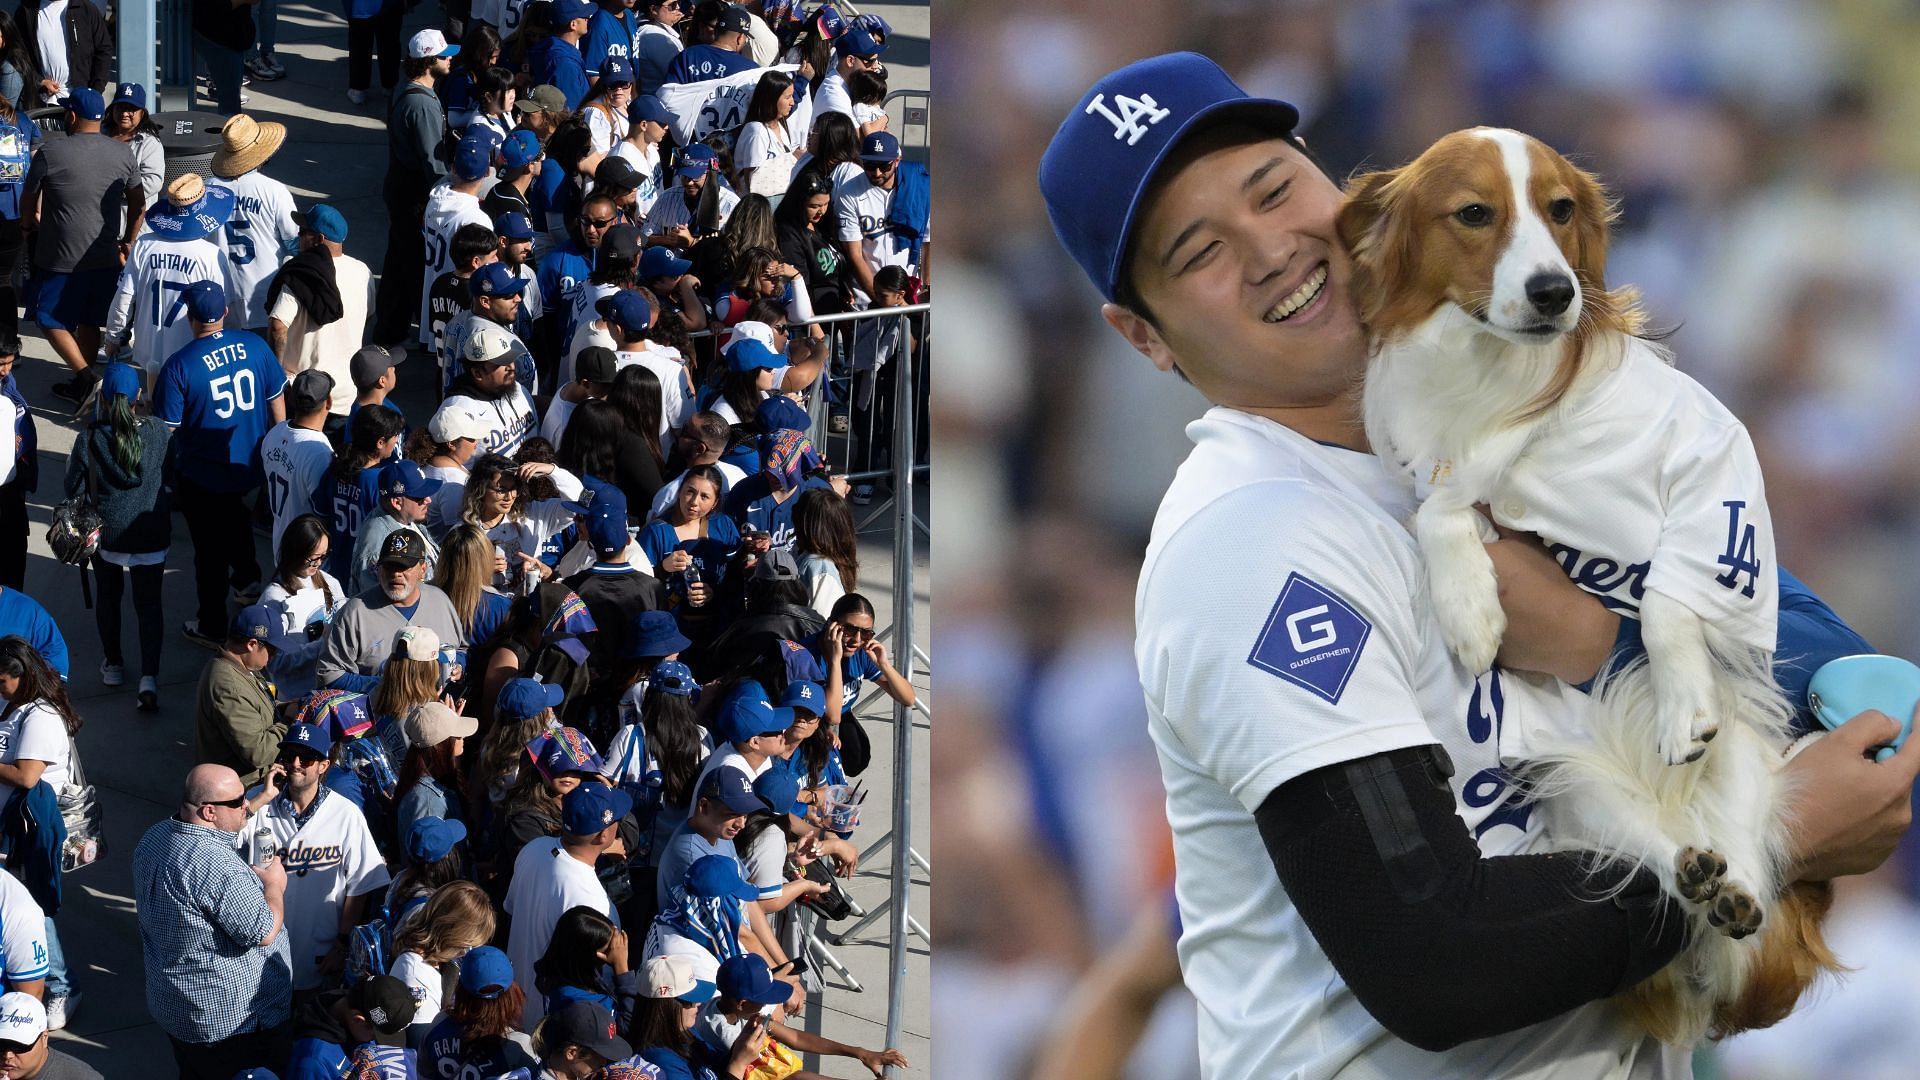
[(202, 914)]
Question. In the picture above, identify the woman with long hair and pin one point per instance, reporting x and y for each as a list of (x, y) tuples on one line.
[(833, 149), (501, 769), (636, 395), (803, 243), (662, 1028), (850, 654), (761, 276), (430, 777), (479, 50), (716, 255), (493, 97), (121, 459), (37, 724), (765, 151), (657, 43), (405, 682), (601, 443), (659, 749), (303, 598), (825, 548), (466, 573), (350, 489), (457, 919), (430, 858), (472, 1038), (693, 545), (19, 69), (531, 809), (605, 106), (586, 960), (496, 502)]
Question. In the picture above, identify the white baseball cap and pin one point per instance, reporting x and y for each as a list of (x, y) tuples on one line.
[(430, 43), (488, 344), (22, 1019), (417, 643), (451, 422), (757, 331)]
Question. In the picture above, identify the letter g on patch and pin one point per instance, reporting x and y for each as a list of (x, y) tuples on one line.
[(1312, 638)]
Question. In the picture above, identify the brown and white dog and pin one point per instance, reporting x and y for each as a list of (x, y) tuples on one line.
[(1505, 373)]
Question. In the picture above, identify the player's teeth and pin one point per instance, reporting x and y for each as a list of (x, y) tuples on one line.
[(1300, 297)]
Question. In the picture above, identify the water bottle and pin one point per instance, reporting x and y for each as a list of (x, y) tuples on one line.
[(689, 578), (504, 578)]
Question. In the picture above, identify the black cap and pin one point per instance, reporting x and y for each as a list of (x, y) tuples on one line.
[(403, 546), (733, 18), (776, 565), (621, 243), (617, 172), (596, 363), (386, 1002), (588, 1024)]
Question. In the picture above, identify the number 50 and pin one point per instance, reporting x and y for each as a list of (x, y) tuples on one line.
[(233, 392)]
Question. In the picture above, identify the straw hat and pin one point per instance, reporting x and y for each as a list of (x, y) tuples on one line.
[(186, 190), (246, 144)]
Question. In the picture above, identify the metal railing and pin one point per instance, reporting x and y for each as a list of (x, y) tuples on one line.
[(912, 116)]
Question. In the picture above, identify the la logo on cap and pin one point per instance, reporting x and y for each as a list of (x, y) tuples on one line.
[(1126, 123)]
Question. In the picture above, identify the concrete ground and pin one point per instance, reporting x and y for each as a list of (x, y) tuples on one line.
[(336, 153)]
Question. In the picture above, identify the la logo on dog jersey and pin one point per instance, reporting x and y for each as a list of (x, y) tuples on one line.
[(1126, 123), (1312, 638)]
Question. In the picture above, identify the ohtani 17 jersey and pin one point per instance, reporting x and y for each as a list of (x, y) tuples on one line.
[(329, 857), (256, 236), (150, 303)]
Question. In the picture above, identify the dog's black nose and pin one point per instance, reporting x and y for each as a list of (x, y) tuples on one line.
[(1550, 293)]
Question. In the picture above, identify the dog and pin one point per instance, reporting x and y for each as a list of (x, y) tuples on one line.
[(1503, 372)]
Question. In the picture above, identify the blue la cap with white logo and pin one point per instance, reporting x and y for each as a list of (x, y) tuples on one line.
[(130, 94), (309, 737), (802, 694), (659, 261), (591, 807), (407, 478), (880, 146), (648, 107), (615, 71), (695, 160), (494, 279), (513, 226), (206, 301), (1105, 155)]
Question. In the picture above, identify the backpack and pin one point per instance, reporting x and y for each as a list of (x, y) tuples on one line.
[(370, 945)]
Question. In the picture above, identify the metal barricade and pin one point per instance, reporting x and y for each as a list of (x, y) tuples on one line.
[(916, 113)]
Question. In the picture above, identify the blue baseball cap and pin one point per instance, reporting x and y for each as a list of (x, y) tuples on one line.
[(880, 146), (655, 633), (494, 279), (856, 41), (746, 354), (615, 70), (521, 149), (85, 102), (695, 160), (607, 527), (730, 787), (128, 93), (713, 876), (431, 838), (121, 380), (628, 310), (473, 158), (513, 226), (592, 489), (206, 301), (328, 222), (406, 478), (524, 699), (781, 413), (1104, 157), (253, 621), (672, 677), (804, 694), (648, 107), (565, 11), (659, 261), (486, 972), (748, 978), (749, 713), (309, 737), (778, 788), (591, 807)]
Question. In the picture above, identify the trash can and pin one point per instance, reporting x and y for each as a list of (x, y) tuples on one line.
[(189, 140)]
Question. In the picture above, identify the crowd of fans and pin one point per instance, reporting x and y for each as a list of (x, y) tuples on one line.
[(527, 748)]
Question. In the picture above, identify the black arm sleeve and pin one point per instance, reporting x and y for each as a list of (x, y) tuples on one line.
[(1441, 945)]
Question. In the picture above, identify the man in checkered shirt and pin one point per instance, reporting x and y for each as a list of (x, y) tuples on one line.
[(218, 978)]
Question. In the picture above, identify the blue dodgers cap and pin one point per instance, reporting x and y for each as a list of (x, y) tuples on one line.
[(778, 788), (880, 146), (730, 787), (513, 226), (85, 102), (407, 478), (713, 876), (206, 301), (747, 354), (592, 488), (121, 380), (253, 621), (629, 311), (695, 160), (431, 838), (748, 978), (672, 677), (486, 972), (659, 261), (130, 94), (521, 149), (473, 158), (781, 413), (607, 527), (648, 107), (328, 222), (857, 41), (309, 737), (655, 633), (615, 70), (804, 694), (565, 11), (1104, 157), (591, 807), (524, 699), (494, 279), (749, 713)]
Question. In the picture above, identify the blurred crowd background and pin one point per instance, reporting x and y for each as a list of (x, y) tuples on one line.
[(1767, 155)]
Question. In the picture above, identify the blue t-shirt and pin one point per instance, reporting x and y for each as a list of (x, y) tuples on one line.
[(213, 393), (674, 1067), (752, 506), (22, 614), (559, 63), (561, 271), (698, 63), (711, 553), (608, 35), (853, 669), (345, 504)]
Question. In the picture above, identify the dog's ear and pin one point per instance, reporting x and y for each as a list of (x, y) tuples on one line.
[(1378, 241), (1364, 214), (1593, 219)]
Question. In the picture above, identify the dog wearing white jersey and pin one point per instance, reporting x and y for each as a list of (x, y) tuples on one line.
[(1504, 373)]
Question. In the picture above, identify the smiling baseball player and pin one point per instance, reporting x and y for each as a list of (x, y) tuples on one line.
[(1361, 885)]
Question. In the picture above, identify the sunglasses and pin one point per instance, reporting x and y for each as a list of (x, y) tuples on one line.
[(599, 223), (295, 757), (857, 633), (881, 167), (510, 489), (234, 803), (15, 1049)]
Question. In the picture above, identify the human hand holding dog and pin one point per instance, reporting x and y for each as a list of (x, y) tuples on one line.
[(1848, 812), (1553, 626)]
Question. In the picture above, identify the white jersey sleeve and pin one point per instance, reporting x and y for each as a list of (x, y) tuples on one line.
[(1716, 550), (23, 933), (1270, 661)]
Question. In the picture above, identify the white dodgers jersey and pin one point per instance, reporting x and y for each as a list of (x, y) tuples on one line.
[(150, 303), (256, 236)]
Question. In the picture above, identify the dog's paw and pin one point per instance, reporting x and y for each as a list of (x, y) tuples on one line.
[(1734, 911), (1685, 740), (1698, 874), (1471, 621)]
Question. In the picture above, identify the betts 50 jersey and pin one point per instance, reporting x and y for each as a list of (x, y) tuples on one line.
[(215, 392), (329, 857)]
